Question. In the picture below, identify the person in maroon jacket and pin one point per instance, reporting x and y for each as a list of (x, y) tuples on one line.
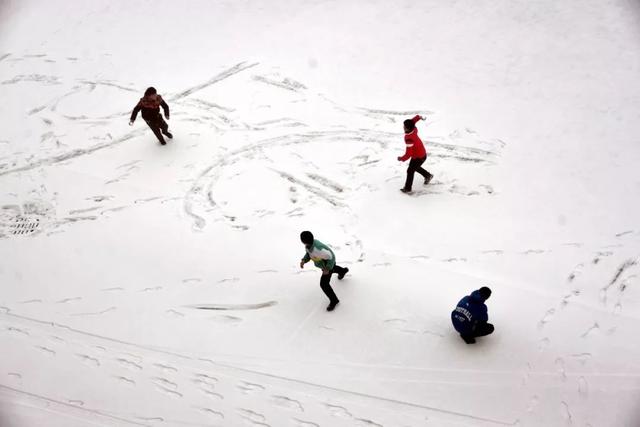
[(414, 150), (150, 105)]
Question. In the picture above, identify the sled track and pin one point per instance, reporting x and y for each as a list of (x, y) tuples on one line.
[(210, 175)]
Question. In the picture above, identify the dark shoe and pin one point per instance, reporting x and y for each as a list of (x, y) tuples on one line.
[(168, 134), (428, 179), (163, 142), (404, 190), (332, 305), (468, 340), (341, 275)]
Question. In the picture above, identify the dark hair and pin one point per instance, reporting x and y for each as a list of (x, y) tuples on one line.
[(150, 91), (409, 124), (306, 237), (485, 292)]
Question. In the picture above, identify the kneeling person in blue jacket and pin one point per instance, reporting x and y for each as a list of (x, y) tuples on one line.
[(470, 316)]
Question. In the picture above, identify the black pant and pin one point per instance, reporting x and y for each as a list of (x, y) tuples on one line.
[(326, 287), (481, 330), (158, 126), (415, 165)]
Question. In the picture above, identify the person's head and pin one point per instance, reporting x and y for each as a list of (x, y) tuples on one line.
[(150, 91), (485, 292), (409, 126), (306, 237)]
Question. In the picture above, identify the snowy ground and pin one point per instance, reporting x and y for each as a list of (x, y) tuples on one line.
[(287, 116)]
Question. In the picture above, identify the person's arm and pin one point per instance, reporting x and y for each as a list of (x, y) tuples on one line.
[(165, 107), (484, 315), (408, 148), (305, 259), (417, 118), (134, 113)]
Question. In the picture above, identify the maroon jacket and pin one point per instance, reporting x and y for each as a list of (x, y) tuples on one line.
[(150, 106)]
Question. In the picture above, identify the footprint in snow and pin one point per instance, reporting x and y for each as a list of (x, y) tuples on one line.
[(212, 412), (576, 272), (66, 300), (128, 364), (164, 383), (338, 411), (251, 415), (250, 388), (302, 423), (225, 318), (45, 350), (362, 422), (124, 380), (233, 306), (174, 313), (287, 403), (88, 360), (591, 330), (165, 368), (550, 312), (168, 392), (17, 330)]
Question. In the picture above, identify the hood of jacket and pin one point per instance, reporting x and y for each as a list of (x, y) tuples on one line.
[(476, 295)]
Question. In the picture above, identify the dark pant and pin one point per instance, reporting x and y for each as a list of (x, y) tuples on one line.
[(326, 287), (158, 126), (415, 165), (481, 330)]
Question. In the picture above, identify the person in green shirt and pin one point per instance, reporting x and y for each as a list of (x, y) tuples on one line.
[(323, 258)]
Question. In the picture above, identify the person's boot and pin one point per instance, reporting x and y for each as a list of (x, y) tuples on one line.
[(168, 134), (468, 339), (344, 272), (406, 191), (163, 142), (428, 179), (332, 305)]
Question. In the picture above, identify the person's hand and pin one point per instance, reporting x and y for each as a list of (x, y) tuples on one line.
[(399, 158), (423, 118), (167, 117), (301, 264), (131, 123)]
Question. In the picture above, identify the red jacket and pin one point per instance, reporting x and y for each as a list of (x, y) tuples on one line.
[(414, 146)]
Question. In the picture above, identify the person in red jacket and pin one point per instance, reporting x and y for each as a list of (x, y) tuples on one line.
[(150, 105), (414, 150)]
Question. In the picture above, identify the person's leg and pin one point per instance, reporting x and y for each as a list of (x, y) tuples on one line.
[(162, 124), (425, 173), (340, 271), (410, 171), (164, 127), (483, 329), (461, 327), (156, 131), (328, 291)]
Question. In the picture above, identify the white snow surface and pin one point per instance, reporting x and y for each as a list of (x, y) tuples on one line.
[(287, 116)]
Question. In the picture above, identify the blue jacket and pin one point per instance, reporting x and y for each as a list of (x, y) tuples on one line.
[(470, 311)]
